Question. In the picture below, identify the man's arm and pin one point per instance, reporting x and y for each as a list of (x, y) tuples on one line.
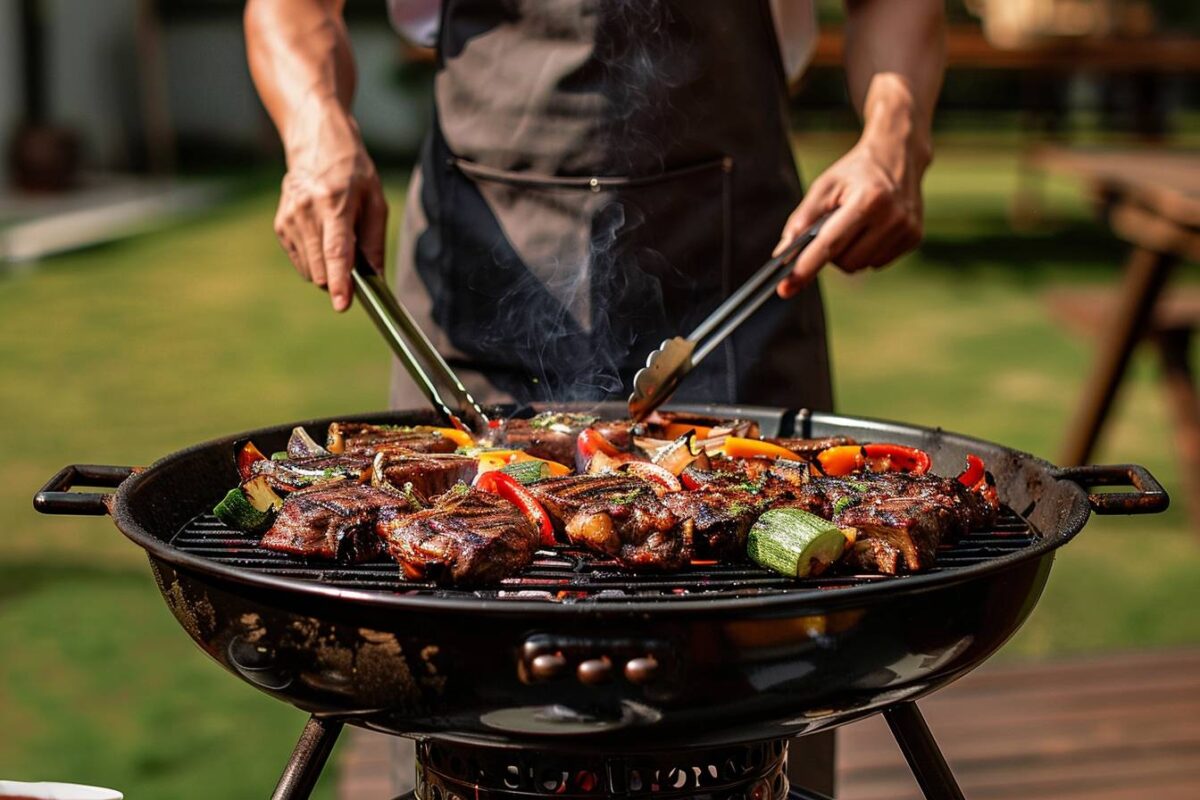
[(303, 68), (895, 56)]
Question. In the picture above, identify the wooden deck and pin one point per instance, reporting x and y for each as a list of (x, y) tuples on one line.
[(1118, 727)]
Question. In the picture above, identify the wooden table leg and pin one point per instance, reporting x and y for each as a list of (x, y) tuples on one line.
[(1174, 347), (1145, 275)]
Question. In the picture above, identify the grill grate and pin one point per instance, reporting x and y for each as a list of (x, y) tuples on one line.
[(568, 575)]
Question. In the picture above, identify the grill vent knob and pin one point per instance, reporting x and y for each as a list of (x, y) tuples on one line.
[(641, 671), (547, 666), (595, 671)]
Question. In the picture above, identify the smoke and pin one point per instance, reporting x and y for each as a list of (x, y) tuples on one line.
[(573, 294)]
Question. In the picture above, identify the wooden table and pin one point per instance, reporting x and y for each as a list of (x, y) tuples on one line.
[(1151, 199)]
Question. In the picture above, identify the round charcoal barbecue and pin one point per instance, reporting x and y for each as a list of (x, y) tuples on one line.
[(578, 679)]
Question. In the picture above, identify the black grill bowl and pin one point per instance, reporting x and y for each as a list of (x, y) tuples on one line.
[(719, 655)]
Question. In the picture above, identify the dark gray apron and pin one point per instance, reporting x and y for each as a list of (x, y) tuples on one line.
[(600, 174)]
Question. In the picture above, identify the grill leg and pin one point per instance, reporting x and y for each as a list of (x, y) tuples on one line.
[(921, 751), (308, 759)]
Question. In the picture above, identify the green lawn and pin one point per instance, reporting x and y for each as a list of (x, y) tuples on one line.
[(122, 353)]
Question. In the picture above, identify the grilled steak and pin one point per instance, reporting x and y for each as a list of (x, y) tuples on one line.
[(429, 474), (336, 521), (617, 515), (361, 438), (467, 538), (298, 473), (901, 518), (549, 435), (720, 519)]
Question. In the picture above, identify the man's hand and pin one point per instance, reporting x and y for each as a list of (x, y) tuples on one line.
[(874, 192), (331, 202), (895, 54)]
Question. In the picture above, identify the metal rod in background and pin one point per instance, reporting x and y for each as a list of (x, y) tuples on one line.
[(924, 758), (308, 759)]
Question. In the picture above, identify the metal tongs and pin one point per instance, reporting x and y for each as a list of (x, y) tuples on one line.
[(676, 357), (415, 351)]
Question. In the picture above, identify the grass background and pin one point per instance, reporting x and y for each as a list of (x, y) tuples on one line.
[(126, 352)]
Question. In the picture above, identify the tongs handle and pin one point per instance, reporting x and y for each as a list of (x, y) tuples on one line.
[(418, 355), (749, 297)]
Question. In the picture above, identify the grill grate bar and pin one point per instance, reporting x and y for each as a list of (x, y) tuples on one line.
[(567, 575)]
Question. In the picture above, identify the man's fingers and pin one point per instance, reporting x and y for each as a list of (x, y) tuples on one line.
[(312, 245), (841, 228), (338, 250), (868, 250), (372, 227), (817, 201)]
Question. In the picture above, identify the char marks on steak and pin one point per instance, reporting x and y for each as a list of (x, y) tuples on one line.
[(468, 537), (550, 435), (620, 516), (901, 518), (364, 439), (298, 473), (721, 520), (335, 521), (429, 474)]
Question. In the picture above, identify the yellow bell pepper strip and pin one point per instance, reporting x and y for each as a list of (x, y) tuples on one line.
[(662, 480), (506, 486), (246, 458), (841, 460), (490, 460), (737, 447), (460, 438)]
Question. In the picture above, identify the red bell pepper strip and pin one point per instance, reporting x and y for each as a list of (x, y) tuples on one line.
[(654, 474), (896, 458), (973, 474), (246, 458), (591, 441), (845, 459), (499, 483)]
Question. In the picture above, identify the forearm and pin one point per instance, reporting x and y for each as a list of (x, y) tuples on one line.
[(301, 64), (895, 57)]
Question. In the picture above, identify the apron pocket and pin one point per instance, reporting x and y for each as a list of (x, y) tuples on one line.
[(573, 280)]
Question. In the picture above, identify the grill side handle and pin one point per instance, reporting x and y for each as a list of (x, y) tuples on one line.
[(56, 496), (1150, 497)]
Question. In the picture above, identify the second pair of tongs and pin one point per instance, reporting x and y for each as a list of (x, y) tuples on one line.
[(416, 352), (676, 357)]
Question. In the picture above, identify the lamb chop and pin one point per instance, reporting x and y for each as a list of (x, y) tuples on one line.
[(335, 521), (468, 537), (620, 516), (365, 439), (429, 474)]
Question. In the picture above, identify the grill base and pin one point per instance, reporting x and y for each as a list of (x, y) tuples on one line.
[(453, 771)]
